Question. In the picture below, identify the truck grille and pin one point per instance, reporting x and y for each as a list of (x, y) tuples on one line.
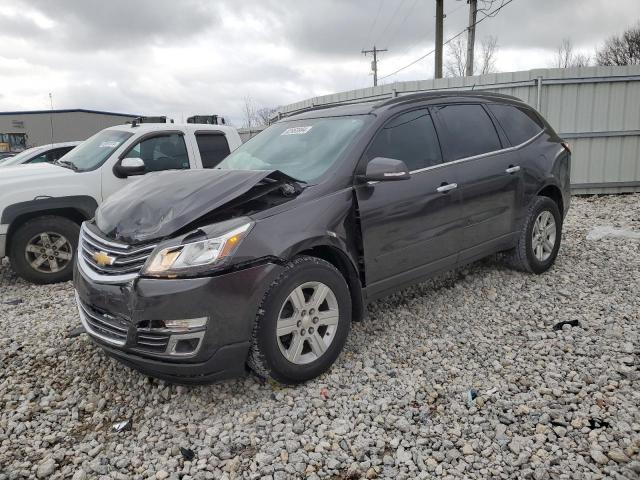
[(109, 258), (104, 325)]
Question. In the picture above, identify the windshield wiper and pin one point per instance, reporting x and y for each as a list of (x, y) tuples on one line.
[(66, 164)]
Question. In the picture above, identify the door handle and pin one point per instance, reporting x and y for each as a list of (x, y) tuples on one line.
[(513, 169), (446, 187)]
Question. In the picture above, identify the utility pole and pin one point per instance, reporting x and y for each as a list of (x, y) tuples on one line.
[(439, 22), (51, 115), (471, 35), (374, 62)]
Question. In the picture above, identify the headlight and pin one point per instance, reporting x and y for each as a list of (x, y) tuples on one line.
[(197, 254)]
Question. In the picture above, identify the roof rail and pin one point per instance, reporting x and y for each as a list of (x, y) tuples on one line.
[(427, 94)]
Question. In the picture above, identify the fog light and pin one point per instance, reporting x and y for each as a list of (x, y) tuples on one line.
[(185, 324), (185, 344)]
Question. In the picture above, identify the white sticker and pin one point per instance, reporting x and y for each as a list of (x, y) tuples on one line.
[(296, 131), (109, 144)]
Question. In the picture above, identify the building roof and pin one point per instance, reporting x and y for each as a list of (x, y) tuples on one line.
[(72, 110)]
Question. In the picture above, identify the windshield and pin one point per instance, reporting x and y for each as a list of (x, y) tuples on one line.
[(21, 157), (92, 153), (303, 149)]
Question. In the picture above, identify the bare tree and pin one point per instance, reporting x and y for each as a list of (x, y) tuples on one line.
[(249, 113), (264, 115), (456, 62), (621, 50), (488, 52), (567, 58)]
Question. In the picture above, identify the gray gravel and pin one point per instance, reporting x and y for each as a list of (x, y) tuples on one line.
[(561, 404)]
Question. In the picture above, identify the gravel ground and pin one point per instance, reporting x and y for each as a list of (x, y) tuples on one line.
[(550, 404)]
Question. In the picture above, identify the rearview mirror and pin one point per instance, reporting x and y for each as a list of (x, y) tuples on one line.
[(381, 169), (129, 167)]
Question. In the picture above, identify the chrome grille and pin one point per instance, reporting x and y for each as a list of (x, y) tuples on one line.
[(127, 260), (103, 325)]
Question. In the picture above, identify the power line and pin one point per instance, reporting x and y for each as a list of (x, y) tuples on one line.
[(391, 19), (375, 20), (449, 40), (397, 29)]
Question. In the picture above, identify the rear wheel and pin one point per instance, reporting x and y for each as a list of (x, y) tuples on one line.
[(539, 239), (303, 322), (43, 249)]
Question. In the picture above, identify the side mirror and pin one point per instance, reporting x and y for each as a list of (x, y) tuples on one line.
[(129, 167), (381, 169)]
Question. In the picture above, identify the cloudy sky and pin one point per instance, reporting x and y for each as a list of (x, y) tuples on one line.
[(181, 57)]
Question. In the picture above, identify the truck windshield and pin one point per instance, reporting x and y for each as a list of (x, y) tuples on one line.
[(93, 152), (303, 149)]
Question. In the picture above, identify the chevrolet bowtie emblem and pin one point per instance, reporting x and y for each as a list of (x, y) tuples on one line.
[(103, 259)]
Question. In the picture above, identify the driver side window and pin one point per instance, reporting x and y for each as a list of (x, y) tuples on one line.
[(410, 137), (164, 152)]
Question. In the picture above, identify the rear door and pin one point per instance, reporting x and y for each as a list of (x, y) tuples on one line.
[(213, 148), (409, 228), (490, 181)]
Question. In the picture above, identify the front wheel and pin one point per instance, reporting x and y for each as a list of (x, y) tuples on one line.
[(539, 239), (303, 322), (43, 249)]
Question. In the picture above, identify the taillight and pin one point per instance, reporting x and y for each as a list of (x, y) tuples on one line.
[(566, 146)]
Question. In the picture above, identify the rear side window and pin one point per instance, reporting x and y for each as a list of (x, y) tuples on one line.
[(520, 124), (410, 137), (468, 131), (59, 153), (213, 148)]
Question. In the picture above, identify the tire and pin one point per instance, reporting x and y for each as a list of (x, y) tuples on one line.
[(526, 255), (267, 354), (31, 235)]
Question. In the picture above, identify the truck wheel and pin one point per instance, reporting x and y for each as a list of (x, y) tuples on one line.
[(539, 239), (43, 249), (302, 323)]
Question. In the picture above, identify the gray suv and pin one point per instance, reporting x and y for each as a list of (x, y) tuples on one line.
[(266, 260)]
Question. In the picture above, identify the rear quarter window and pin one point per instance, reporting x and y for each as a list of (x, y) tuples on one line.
[(519, 124)]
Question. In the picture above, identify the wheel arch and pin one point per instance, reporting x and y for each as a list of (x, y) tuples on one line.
[(77, 209), (554, 193), (341, 260)]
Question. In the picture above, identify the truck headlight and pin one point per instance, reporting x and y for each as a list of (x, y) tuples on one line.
[(197, 254)]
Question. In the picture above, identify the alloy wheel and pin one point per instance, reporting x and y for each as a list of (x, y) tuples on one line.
[(307, 322), (49, 252), (543, 236)]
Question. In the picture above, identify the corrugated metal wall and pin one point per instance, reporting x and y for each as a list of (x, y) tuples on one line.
[(597, 109)]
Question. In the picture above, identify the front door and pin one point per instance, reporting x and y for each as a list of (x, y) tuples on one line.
[(490, 180), (159, 151), (410, 228)]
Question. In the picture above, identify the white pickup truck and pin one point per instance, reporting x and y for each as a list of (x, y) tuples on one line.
[(43, 205)]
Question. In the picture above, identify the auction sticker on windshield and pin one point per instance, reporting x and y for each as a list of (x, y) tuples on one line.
[(109, 144), (296, 131)]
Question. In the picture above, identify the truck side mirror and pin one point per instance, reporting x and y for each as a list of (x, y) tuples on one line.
[(381, 169), (129, 167)]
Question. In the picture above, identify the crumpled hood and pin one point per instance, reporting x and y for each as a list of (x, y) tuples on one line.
[(158, 205), (17, 174)]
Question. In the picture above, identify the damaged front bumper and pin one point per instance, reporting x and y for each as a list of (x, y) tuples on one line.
[(195, 330)]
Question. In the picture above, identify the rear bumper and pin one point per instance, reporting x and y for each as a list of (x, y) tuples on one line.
[(228, 301)]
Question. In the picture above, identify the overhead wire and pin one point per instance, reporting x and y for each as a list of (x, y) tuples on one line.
[(449, 40)]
